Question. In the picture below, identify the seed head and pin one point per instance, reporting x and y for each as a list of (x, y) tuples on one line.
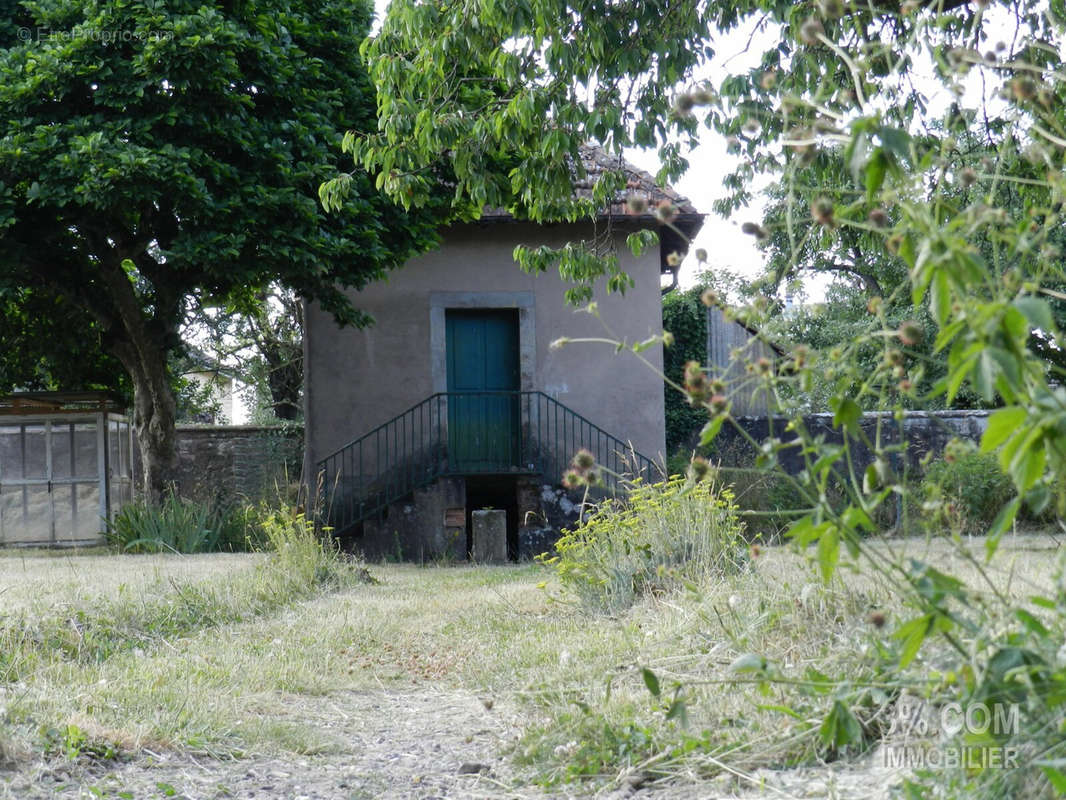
[(666, 212), (768, 80), (800, 355), (810, 31), (756, 551), (703, 95), (694, 372), (709, 298), (831, 9), (684, 103), (910, 333), (668, 339), (968, 177), (894, 357), (1023, 88), (822, 211), (698, 469), (572, 480), (755, 229), (873, 305), (877, 619), (637, 203), (719, 404), (879, 217), (764, 366), (583, 460)]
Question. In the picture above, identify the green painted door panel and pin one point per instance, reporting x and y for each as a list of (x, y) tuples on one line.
[(483, 358)]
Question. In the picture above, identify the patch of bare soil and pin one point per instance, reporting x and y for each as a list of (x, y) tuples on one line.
[(416, 744)]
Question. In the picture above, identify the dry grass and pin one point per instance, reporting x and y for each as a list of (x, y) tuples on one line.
[(39, 579), (490, 631)]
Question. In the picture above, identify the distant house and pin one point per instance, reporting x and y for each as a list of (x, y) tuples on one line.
[(214, 386), (455, 400)]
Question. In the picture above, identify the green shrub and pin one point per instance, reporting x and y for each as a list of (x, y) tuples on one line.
[(659, 537), (181, 525), (763, 499), (965, 489)]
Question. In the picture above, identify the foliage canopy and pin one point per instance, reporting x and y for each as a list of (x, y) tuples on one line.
[(152, 152)]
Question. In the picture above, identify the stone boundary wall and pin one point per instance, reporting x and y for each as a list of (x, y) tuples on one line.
[(231, 462), (924, 431)]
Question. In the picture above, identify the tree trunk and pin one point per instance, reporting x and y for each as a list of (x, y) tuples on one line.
[(285, 382), (154, 412), (141, 344)]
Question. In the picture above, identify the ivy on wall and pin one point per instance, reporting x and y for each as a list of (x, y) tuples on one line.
[(685, 316)]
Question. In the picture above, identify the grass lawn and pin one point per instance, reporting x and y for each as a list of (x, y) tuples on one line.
[(138, 653)]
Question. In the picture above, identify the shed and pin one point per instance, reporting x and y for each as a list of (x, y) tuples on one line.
[(731, 347), (65, 467)]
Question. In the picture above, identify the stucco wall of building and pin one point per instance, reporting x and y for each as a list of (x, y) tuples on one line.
[(356, 380)]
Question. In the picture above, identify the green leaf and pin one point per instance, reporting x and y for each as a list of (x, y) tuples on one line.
[(828, 552), (781, 710), (651, 681), (940, 297), (1037, 311), (710, 430), (749, 662), (1055, 777), (846, 413), (1000, 524), (840, 727), (1002, 424), (1027, 466), (913, 633), (875, 174), (679, 711), (896, 141), (1031, 623)]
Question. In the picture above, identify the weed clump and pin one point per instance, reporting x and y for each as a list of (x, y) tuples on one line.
[(183, 525), (659, 538)]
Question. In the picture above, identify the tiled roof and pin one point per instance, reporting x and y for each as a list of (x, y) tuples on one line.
[(597, 161)]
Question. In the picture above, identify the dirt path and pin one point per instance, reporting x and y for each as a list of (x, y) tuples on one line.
[(408, 745)]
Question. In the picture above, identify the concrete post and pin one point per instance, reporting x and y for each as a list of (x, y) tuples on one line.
[(490, 535)]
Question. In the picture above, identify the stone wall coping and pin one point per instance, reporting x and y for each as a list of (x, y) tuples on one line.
[(295, 427), (941, 413)]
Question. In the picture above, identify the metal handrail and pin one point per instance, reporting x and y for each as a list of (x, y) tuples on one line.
[(468, 433)]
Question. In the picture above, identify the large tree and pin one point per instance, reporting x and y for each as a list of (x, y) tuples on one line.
[(150, 152)]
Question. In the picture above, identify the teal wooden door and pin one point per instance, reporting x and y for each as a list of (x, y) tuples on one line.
[(483, 372)]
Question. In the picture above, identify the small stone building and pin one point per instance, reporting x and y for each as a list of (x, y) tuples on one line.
[(455, 400)]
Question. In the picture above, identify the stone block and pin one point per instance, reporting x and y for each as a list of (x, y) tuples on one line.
[(490, 535)]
